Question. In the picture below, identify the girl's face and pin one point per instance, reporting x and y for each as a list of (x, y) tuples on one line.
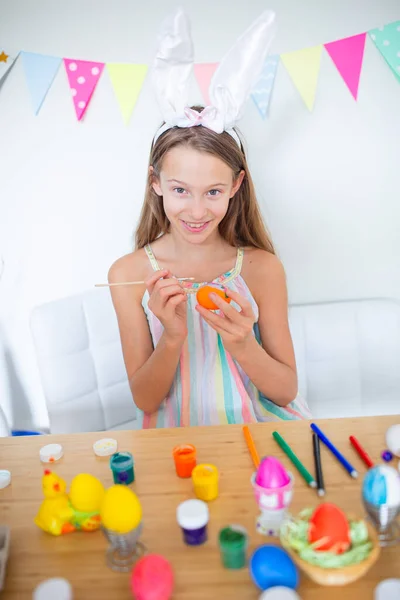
[(196, 188)]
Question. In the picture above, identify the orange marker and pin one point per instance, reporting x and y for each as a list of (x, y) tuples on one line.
[(251, 446)]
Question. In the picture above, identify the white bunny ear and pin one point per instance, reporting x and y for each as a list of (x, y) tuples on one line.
[(173, 66), (240, 69)]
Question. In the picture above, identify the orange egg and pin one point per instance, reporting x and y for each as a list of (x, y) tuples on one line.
[(203, 296)]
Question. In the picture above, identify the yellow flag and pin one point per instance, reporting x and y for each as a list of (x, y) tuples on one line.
[(303, 68), (127, 81)]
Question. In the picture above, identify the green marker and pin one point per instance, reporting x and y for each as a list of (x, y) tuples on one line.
[(291, 455)]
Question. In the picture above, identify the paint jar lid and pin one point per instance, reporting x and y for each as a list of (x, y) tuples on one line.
[(105, 447), (51, 453), (5, 478), (192, 514), (53, 588)]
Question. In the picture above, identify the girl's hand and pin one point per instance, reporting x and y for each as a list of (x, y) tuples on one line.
[(234, 327), (168, 303)]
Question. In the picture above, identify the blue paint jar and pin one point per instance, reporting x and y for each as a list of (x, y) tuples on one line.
[(121, 464), (193, 516)]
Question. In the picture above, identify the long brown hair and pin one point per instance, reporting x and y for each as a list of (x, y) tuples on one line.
[(242, 225)]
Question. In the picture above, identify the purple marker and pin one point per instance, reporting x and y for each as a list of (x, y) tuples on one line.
[(193, 516)]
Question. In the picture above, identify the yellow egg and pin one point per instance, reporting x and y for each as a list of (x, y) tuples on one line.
[(86, 493), (121, 510)]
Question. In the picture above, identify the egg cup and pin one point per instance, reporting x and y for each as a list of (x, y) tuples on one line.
[(124, 549)]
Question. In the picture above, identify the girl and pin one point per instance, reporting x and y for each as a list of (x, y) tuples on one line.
[(188, 365)]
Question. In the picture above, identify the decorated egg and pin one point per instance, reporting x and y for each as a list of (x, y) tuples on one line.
[(272, 566), (381, 485), (272, 474), (393, 439), (203, 296), (152, 578), (329, 529), (120, 510)]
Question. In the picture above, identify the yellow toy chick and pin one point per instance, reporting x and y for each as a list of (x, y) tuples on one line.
[(61, 513), (55, 512)]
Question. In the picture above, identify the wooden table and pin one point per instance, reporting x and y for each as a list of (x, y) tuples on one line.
[(80, 557)]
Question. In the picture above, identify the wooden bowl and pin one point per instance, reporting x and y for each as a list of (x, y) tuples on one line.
[(344, 575)]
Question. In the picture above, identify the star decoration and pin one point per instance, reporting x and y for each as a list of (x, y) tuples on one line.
[(3, 57)]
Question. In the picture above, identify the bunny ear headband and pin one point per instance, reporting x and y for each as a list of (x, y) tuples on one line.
[(230, 85)]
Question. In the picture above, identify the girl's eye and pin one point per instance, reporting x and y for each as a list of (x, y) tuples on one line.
[(214, 192), (179, 190)]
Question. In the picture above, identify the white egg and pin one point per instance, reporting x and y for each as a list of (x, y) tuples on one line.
[(279, 593), (393, 439), (388, 589)]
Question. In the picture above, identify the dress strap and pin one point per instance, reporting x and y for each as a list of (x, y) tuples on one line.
[(239, 262), (152, 258)]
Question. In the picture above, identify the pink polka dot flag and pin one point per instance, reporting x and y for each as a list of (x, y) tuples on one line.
[(83, 76)]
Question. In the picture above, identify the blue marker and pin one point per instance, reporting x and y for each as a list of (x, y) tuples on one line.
[(344, 462)]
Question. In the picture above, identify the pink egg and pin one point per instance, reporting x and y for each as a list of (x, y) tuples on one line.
[(152, 578), (272, 474)]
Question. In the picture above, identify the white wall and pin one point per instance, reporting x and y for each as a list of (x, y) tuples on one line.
[(70, 193)]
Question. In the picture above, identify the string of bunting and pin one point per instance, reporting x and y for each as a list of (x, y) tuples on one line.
[(127, 79)]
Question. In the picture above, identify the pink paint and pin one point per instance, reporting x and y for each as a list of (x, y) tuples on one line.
[(347, 55)]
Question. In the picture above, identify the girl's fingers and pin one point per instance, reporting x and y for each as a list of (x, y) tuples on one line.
[(165, 292), (228, 310), (247, 310), (156, 276), (218, 323)]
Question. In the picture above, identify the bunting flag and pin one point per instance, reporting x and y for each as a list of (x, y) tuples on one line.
[(127, 81), (40, 71), (203, 73), (303, 67), (261, 94), (7, 59), (387, 40), (83, 76), (347, 55)]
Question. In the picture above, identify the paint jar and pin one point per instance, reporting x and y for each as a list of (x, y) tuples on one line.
[(185, 459), (205, 482), (233, 546), (193, 516), (121, 464)]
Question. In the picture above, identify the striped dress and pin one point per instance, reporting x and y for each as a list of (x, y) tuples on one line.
[(210, 387)]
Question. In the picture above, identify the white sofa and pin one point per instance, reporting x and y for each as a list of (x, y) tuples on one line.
[(348, 358)]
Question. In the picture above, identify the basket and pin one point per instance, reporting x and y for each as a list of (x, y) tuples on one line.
[(343, 575)]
